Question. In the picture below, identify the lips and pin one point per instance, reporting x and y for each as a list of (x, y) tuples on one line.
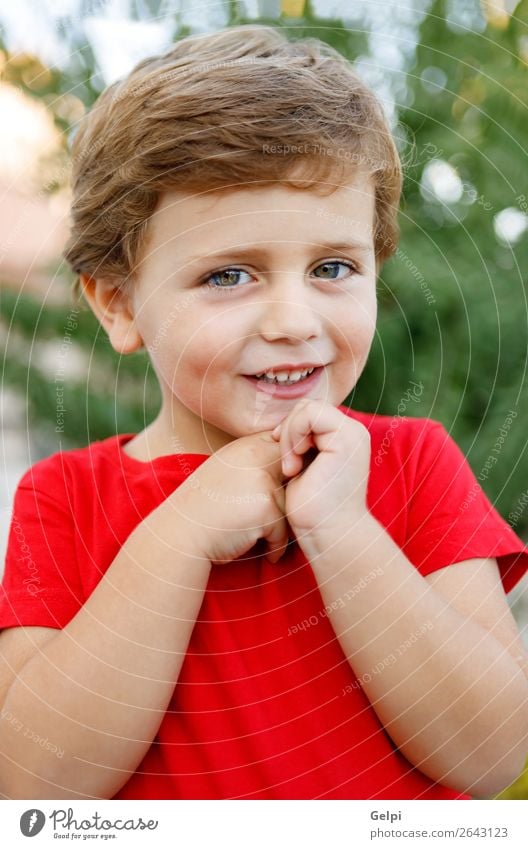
[(286, 367), (284, 377), (284, 390)]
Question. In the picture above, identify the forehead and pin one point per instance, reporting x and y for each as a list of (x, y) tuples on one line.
[(266, 213)]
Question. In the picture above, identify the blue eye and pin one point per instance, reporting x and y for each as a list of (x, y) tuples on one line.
[(331, 265), (228, 278)]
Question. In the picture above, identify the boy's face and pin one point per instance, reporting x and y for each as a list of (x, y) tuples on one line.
[(286, 291)]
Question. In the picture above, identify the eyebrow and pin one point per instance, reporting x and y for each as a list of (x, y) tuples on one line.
[(255, 251)]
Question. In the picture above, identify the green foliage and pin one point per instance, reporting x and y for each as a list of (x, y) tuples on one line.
[(469, 345), (349, 42), (112, 395), (452, 302)]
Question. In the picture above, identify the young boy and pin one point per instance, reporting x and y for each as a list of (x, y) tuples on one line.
[(264, 594)]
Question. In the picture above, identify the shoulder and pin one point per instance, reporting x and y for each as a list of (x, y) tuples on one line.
[(68, 467), (397, 436), (412, 452)]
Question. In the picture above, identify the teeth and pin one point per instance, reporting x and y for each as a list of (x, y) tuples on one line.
[(284, 376), (281, 376)]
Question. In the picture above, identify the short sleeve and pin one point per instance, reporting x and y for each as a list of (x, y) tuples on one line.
[(450, 518), (40, 585)]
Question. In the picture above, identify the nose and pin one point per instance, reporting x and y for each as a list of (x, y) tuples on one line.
[(290, 311)]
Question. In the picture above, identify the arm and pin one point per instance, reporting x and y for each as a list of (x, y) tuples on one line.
[(452, 695), (441, 671), (99, 688)]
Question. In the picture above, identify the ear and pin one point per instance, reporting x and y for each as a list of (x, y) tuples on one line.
[(112, 306)]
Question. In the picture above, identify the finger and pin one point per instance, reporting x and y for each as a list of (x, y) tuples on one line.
[(311, 424), (272, 459), (292, 462), (296, 438), (277, 539), (271, 456), (279, 497)]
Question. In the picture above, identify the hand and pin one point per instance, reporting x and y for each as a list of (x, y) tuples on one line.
[(235, 498), (326, 496)]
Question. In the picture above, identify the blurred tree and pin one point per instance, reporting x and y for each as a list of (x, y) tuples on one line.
[(113, 394), (453, 307), (452, 301), (453, 304)]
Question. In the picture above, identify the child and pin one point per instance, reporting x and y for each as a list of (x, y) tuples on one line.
[(264, 594)]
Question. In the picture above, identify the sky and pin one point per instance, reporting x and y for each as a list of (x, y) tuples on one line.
[(47, 29), (35, 27), (119, 41)]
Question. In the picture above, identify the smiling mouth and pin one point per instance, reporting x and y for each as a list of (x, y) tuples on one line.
[(285, 378), (287, 385)]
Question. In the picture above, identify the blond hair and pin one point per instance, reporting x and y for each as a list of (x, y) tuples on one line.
[(229, 109)]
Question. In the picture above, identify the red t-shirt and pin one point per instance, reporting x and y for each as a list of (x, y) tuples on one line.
[(263, 709)]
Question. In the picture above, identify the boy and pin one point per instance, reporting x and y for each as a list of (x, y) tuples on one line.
[(238, 602)]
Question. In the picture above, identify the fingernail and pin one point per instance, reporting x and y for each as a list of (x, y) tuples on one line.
[(277, 430)]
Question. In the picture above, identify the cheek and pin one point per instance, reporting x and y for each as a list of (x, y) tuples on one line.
[(213, 342), (198, 353), (357, 325)]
